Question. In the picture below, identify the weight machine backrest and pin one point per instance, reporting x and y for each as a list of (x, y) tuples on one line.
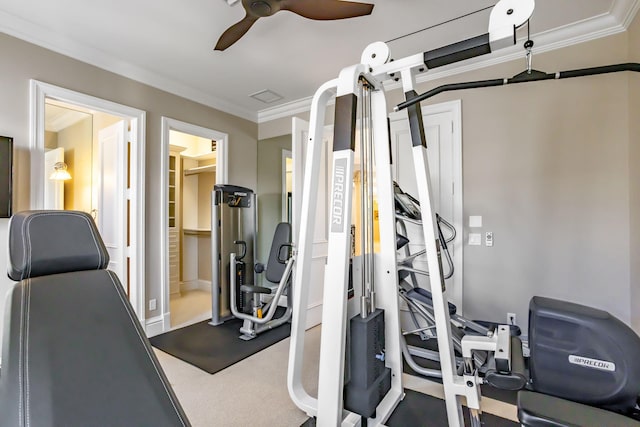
[(279, 246), (74, 352)]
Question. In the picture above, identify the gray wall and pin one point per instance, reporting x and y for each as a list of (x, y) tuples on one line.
[(634, 169), (23, 61), (547, 166), (269, 190)]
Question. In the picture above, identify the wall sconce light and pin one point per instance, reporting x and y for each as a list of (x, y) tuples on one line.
[(60, 172)]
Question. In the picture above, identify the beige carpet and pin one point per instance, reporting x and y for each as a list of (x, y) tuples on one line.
[(252, 392), (190, 307)]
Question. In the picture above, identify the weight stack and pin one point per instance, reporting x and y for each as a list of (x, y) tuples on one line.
[(369, 379), (243, 300)]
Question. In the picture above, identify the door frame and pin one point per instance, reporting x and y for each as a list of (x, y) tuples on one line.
[(39, 92), (455, 108), (118, 258), (299, 137), (222, 175)]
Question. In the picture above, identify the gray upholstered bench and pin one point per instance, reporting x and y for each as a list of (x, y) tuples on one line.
[(74, 353)]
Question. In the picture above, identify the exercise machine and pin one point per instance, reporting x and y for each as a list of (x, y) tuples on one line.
[(375, 305), (331, 407), (584, 368), (419, 301), (235, 292), (74, 352), (233, 219), (277, 271)]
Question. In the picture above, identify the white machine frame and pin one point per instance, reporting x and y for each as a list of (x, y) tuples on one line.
[(506, 17)]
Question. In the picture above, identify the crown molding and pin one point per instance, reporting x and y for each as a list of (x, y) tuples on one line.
[(285, 110), (616, 21), (625, 11), (29, 32)]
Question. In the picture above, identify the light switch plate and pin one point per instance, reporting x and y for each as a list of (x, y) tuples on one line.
[(475, 221)]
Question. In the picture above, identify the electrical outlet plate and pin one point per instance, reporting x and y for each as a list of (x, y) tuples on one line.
[(152, 304)]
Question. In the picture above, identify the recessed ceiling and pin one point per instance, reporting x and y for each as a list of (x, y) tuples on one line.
[(169, 44)]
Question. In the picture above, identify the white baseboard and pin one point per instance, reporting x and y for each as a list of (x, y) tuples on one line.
[(193, 285), (155, 325), (314, 315)]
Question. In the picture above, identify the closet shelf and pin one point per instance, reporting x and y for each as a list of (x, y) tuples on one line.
[(209, 155), (200, 169), (196, 231)]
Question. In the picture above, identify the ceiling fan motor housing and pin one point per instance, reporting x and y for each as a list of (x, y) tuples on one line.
[(262, 8)]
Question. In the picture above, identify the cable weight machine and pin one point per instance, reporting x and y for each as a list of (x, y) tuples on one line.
[(329, 407), (373, 367)]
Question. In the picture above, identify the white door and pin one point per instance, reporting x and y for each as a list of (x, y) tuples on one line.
[(112, 196), (300, 137), (445, 162), (53, 189)]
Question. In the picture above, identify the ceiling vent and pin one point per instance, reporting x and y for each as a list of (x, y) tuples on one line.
[(267, 96)]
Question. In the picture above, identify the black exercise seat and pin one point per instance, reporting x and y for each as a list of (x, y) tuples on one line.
[(74, 353)]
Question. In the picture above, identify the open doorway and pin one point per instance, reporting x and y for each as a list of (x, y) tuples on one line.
[(195, 160), (87, 154), (86, 170), (287, 186)]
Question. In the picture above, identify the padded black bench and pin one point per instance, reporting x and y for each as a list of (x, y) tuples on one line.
[(74, 353), (542, 410)]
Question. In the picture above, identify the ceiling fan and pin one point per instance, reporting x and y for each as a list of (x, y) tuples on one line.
[(313, 9)]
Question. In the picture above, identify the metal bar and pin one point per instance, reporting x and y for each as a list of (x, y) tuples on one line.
[(520, 78), (302, 277), (370, 216), (272, 309), (434, 262), (364, 309), (215, 261), (334, 306)]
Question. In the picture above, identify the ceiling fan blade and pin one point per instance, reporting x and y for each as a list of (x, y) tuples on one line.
[(235, 32), (327, 9)]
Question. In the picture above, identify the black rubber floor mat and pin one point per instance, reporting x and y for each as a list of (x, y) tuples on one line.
[(421, 410), (214, 348)]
